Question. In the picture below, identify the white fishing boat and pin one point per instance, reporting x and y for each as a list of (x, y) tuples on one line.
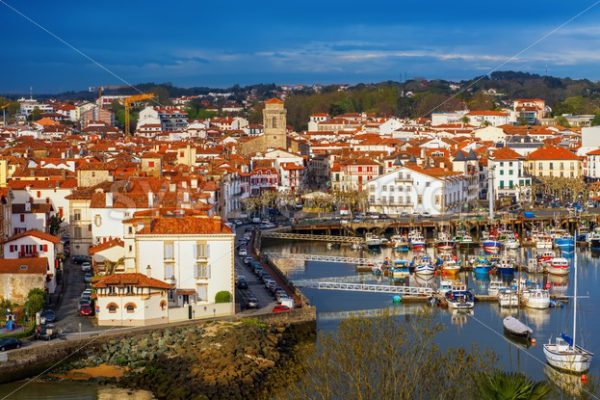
[(558, 266), (373, 241), (536, 298), (508, 298), (494, 286), (445, 286), (564, 353), (542, 241), (424, 268), (511, 244), (460, 298)]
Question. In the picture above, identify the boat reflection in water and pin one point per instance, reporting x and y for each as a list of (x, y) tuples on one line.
[(460, 317), (559, 284), (568, 383), (536, 317)]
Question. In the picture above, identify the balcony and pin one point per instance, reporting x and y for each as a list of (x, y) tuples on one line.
[(23, 254)]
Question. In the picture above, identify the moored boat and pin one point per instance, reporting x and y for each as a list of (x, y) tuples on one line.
[(373, 241), (400, 243), (460, 298), (400, 269), (536, 298), (594, 239), (444, 242), (482, 266), (516, 328), (463, 239), (505, 266), (565, 242), (491, 246), (558, 266), (508, 297)]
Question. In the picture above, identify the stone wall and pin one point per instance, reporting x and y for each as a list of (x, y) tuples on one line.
[(43, 357)]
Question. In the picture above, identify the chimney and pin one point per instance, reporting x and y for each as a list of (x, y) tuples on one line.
[(150, 199), (109, 200)]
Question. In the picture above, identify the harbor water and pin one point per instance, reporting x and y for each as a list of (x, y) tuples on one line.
[(481, 326)]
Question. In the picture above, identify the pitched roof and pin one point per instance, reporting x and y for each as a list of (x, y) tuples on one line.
[(505, 153), (131, 279), (550, 152), (34, 233), (30, 265), (201, 225), (106, 245), (273, 101)]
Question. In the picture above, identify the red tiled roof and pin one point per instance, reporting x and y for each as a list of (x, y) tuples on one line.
[(131, 279), (550, 152), (106, 245), (273, 101), (34, 233), (34, 265), (200, 225), (505, 153)]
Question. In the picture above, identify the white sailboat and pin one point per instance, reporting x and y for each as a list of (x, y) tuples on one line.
[(564, 354)]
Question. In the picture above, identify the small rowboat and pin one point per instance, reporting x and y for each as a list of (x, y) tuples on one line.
[(516, 328)]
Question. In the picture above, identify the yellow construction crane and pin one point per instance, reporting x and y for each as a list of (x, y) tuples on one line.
[(133, 99)]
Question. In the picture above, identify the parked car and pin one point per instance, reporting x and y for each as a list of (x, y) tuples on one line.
[(256, 220), (10, 343), (404, 214), (242, 252), (241, 283), (84, 302), (426, 214), (86, 266), (86, 310), (48, 315), (280, 309), (252, 302)]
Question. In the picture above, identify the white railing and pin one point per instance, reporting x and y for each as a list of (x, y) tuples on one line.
[(365, 287)]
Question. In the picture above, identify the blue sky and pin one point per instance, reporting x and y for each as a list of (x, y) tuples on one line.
[(219, 43)]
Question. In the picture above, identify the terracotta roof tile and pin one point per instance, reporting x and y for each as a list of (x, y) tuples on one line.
[(133, 279)]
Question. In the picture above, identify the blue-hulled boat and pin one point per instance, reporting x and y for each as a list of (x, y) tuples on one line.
[(482, 266), (565, 242), (491, 246)]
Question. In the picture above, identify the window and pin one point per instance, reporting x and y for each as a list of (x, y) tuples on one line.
[(112, 290), (202, 270), (510, 171), (510, 163), (112, 307), (427, 184), (540, 166), (76, 215), (371, 188), (77, 232), (128, 289), (551, 166), (501, 163), (169, 251), (202, 250), (38, 194), (501, 172), (202, 291), (510, 184), (151, 164), (169, 270), (501, 184), (420, 200), (391, 189), (130, 307), (562, 165)]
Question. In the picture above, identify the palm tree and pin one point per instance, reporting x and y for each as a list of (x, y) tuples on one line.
[(500, 385)]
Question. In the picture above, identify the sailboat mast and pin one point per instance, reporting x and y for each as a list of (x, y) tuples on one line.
[(575, 289)]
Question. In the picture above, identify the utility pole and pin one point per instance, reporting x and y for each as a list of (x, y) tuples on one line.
[(491, 192)]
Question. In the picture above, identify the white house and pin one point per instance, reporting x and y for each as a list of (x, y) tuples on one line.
[(591, 170), (35, 244), (509, 180), (131, 299), (194, 254), (489, 117), (30, 216), (490, 133), (414, 189)]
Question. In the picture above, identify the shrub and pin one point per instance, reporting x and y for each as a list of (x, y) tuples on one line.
[(223, 297)]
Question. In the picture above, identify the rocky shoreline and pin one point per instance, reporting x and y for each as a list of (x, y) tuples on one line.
[(215, 360)]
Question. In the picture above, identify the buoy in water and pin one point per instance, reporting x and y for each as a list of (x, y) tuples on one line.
[(397, 299), (533, 341)]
